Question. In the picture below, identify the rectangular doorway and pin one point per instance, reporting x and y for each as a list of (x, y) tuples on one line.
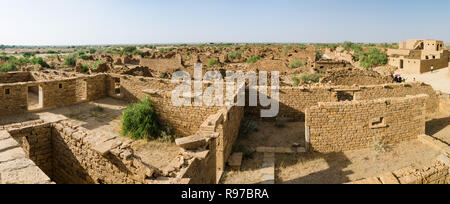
[(35, 98)]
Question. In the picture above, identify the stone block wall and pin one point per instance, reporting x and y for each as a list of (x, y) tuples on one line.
[(36, 142), (226, 123), (184, 121), (400, 90), (14, 77), (343, 126), (13, 98), (55, 92), (69, 155), (81, 158), (436, 173), (96, 86)]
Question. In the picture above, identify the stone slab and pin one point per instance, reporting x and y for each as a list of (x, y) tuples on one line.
[(9, 143), (389, 178), (12, 154), (191, 142)]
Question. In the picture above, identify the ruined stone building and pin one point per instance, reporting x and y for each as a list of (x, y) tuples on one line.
[(337, 118), (418, 56)]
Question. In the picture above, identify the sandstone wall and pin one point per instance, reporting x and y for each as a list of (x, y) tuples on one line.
[(14, 77), (13, 98), (342, 126), (350, 77), (36, 142), (55, 92), (184, 121), (226, 123), (436, 173), (69, 155), (81, 158), (400, 90)]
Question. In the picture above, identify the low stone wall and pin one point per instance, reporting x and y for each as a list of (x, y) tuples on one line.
[(69, 155), (82, 158), (436, 173), (55, 93), (342, 126), (14, 77), (295, 100), (36, 142), (400, 90)]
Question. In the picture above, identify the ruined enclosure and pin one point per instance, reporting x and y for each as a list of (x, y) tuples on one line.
[(84, 145)]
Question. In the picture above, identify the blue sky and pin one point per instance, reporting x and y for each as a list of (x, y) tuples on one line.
[(81, 22)]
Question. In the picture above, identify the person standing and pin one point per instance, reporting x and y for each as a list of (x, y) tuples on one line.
[(432, 68)]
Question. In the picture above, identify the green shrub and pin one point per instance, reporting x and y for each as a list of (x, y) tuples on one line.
[(296, 81), (302, 46), (96, 64), (287, 49), (253, 59), (70, 60), (8, 67), (310, 78), (373, 57), (52, 52), (83, 57), (235, 55), (213, 62), (40, 61), (318, 54), (140, 121), (129, 49), (297, 63), (84, 68), (29, 54), (92, 51)]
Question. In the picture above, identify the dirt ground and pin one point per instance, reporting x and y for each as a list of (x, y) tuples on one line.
[(338, 168), (269, 135), (333, 168)]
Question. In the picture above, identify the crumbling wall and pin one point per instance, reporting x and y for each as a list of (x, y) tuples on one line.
[(226, 123), (82, 158), (14, 77), (353, 76), (342, 126), (68, 154), (436, 173), (400, 90)]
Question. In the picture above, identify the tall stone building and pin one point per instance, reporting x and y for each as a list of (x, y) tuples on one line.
[(418, 56)]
